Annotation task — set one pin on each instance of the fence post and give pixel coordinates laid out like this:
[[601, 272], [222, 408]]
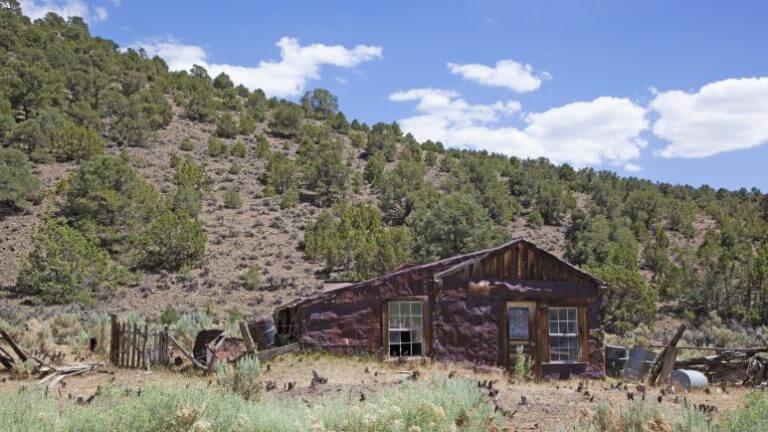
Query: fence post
[[114, 342]]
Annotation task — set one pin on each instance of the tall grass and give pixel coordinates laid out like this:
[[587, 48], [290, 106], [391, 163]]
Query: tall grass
[[644, 417], [752, 417], [426, 406]]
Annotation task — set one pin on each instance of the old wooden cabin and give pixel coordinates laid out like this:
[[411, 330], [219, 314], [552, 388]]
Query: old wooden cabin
[[479, 307]]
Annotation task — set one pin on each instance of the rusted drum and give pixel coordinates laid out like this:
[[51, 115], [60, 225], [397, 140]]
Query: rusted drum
[[263, 332]]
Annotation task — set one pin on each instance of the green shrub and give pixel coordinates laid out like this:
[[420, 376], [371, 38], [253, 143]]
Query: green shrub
[[19, 188], [169, 315], [751, 417], [356, 242], [247, 124], [108, 200], [280, 175], [226, 126], [262, 147], [629, 301], [239, 149], [186, 144], [456, 223], [553, 200], [216, 147], [240, 378], [289, 198], [358, 139], [200, 106], [187, 199], [374, 169], [222, 82], [191, 174], [232, 199], [438, 404], [286, 120], [535, 220], [64, 266], [171, 241], [251, 278], [73, 142]]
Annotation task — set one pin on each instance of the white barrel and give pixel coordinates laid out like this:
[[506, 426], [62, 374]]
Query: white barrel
[[688, 379]]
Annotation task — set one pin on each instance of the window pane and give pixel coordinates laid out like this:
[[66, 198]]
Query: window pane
[[393, 309], [416, 349], [416, 336], [416, 309], [405, 337], [518, 323], [394, 337], [405, 308]]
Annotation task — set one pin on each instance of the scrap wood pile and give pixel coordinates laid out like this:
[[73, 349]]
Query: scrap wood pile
[[23, 361], [744, 365]]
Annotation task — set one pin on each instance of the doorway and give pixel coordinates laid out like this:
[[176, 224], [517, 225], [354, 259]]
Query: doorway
[[520, 332]]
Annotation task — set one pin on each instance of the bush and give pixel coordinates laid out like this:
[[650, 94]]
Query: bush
[[187, 199], [200, 106], [19, 188], [262, 147], [169, 315], [455, 224], [226, 126], [374, 169], [234, 168], [216, 147], [251, 278], [186, 144], [358, 139], [384, 138], [106, 199], [240, 378], [247, 124], [289, 198], [170, 242], [286, 120], [232, 199], [357, 243], [749, 418], [131, 129], [630, 300], [535, 220], [320, 103], [552, 201], [438, 404], [73, 142], [280, 175], [64, 266], [239, 149], [193, 175]]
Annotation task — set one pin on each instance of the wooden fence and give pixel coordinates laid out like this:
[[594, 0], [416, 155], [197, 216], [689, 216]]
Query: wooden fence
[[136, 347]]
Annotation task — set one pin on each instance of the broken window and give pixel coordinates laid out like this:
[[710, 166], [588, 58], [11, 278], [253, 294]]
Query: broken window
[[563, 335], [406, 328]]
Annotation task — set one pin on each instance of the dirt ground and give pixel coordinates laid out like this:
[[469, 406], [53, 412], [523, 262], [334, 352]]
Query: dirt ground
[[532, 406]]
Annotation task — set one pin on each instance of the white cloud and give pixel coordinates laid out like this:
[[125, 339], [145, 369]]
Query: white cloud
[[35, 9], [633, 168], [286, 77], [507, 73], [722, 116], [604, 130]]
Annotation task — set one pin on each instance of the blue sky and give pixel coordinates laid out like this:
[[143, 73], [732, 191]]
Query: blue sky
[[671, 91]]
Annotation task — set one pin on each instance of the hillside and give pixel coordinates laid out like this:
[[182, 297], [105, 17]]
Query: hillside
[[310, 197]]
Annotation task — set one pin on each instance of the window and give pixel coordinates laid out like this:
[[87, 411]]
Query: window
[[563, 335], [518, 323], [406, 328]]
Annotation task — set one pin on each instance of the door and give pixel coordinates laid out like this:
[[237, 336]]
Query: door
[[521, 332]]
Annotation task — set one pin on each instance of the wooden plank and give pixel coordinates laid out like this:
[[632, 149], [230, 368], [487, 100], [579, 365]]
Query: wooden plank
[[144, 355], [19, 352], [275, 352], [247, 337], [186, 353], [542, 341], [655, 371], [114, 341], [668, 365], [583, 335]]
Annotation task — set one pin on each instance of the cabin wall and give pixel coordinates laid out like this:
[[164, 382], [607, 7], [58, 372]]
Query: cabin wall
[[465, 322]]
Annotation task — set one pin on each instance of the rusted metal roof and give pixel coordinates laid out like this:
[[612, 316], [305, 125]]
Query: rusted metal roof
[[441, 269]]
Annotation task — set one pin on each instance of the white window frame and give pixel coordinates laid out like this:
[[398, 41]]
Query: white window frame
[[400, 321], [564, 326]]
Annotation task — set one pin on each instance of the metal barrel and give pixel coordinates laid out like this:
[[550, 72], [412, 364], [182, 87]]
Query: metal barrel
[[688, 379], [263, 332]]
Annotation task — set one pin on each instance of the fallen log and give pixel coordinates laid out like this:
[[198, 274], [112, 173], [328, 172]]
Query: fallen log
[[666, 358]]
